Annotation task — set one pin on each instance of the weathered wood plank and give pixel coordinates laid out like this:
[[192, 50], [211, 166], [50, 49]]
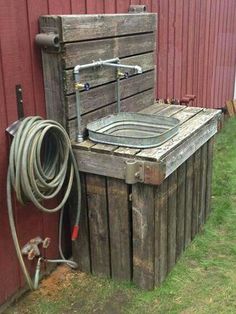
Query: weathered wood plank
[[115, 166], [154, 109], [210, 145], [186, 130], [187, 113], [172, 189], [103, 148], [81, 246], [189, 200], [85, 145], [86, 51], [196, 193], [180, 209], [84, 27], [161, 262], [134, 103], [119, 222], [203, 172], [189, 146], [98, 224], [104, 75], [171, 110], [126, 151], [53, 81], [106, 94], [143, 235]]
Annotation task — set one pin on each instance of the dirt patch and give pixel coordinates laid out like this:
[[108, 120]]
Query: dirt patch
[[112, 305], [57, 281]]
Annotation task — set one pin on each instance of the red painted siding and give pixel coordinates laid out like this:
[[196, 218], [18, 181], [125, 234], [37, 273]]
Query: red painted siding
[[196, 53]]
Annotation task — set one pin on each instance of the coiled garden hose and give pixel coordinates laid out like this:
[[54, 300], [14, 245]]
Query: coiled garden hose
[[41, 163]]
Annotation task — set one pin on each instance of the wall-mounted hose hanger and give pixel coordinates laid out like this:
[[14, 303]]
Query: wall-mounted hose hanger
[[41, 166], [48, 41]]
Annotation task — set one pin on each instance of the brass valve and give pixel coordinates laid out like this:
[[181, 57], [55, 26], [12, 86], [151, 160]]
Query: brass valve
[[122, 74]]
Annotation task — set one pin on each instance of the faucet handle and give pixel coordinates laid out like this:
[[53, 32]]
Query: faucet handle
[[87, 86], [123, 75], [80, 86], [126, 75]]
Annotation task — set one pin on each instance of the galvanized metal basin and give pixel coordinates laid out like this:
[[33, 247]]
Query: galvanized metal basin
[[133, 129]]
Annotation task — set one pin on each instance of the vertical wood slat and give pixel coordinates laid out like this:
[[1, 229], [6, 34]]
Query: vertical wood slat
[[161, 233], [210, 144], [81, 246], [119, 228], [203, 183], [172, 190], [180, 209], [196, 192], [143, 235], [188, 200], [98, 224]]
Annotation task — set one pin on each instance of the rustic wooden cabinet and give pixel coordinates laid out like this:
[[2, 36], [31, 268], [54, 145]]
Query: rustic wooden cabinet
[[133, 231]]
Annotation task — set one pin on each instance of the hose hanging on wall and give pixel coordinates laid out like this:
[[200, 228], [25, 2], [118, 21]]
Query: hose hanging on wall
[[41, 162]]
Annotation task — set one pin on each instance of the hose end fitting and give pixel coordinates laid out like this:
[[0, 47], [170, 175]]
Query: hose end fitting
[[75, 233]]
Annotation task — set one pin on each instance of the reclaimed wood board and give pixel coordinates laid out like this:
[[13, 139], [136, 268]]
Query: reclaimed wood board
[[98, 224], [143, 235], [180, 209], [81, 52], [171, 216], [119, 212], [210, 145], [73, 28], [188, 200], [161, 233]]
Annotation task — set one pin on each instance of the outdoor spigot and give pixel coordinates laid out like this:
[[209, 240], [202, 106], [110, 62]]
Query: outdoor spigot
[[85, 86], [123, 75]]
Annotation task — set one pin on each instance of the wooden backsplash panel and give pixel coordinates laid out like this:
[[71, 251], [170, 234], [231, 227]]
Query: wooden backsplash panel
[[84, 38]]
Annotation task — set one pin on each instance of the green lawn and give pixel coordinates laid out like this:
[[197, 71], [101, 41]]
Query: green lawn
[[203, 281]]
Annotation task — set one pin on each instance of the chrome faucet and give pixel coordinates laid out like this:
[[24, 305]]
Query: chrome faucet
[[115, 62]]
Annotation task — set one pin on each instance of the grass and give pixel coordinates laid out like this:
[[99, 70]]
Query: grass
[[203, 281]]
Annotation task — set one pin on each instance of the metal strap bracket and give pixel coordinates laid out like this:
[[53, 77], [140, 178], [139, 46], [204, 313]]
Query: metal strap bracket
[[138, 171]]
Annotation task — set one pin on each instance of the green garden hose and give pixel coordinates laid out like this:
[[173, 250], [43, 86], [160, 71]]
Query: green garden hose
[[41, 163]]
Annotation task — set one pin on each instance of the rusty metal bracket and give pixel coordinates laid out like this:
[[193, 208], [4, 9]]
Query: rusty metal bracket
[[137, 8], [144, 172], [12, 129]]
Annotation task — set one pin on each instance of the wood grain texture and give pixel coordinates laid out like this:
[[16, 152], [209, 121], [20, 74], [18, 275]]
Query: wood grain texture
[[189, 200], [100, 26], [210, 146], [180, 209], [161, 233], [98, 225], [85, 51], [143, 235], [171, 238], [196, 192], [203, 182], [119, 227]]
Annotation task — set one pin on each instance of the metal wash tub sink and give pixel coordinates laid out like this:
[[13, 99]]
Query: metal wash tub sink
[[133, 129], [123, 128]]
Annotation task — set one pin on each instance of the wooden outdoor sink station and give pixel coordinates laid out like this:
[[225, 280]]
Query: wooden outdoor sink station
[[141, 207]]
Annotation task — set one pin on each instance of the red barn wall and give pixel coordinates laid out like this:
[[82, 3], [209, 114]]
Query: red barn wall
[[196, 55]]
